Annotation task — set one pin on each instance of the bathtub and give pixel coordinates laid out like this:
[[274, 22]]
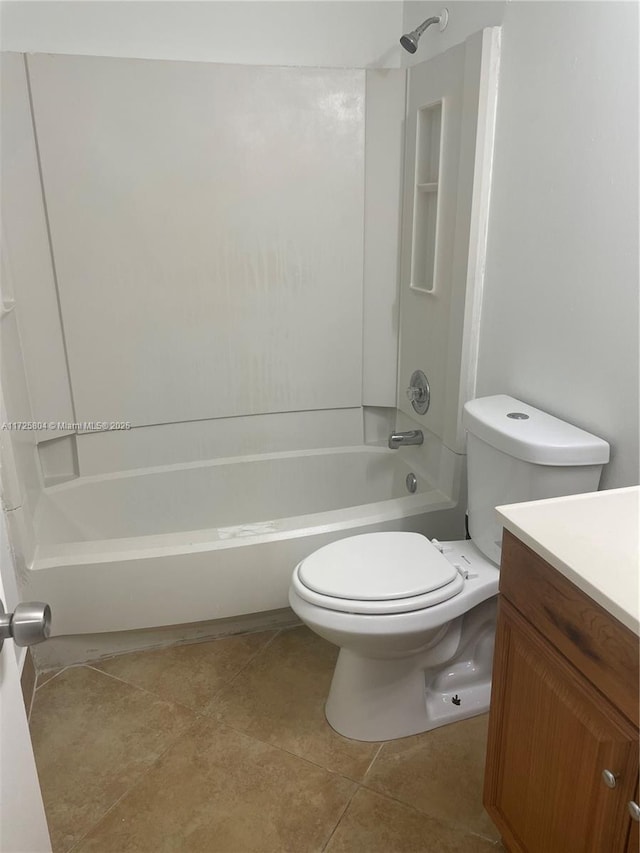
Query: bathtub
[[202, 541]]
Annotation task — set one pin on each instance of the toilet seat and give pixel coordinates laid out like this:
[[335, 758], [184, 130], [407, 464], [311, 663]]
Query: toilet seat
[[377, 573]]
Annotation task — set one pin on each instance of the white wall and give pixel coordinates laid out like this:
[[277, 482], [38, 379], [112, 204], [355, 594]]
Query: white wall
[[560, 312], [317, 33]]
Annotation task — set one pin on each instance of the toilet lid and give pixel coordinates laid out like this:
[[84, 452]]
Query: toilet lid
[[377, 567]]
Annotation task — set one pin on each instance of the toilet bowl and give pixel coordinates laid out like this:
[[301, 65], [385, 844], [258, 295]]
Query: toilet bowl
[[396, 630], [415, 619]]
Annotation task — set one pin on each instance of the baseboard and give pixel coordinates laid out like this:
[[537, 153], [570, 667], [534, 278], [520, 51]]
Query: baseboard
[[71, 650]]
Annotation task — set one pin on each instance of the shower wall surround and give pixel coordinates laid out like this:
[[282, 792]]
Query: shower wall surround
[[451, 113], [208, 226], [206, 221]]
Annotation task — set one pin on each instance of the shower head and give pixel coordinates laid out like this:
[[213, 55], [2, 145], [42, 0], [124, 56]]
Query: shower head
[[409, 41]]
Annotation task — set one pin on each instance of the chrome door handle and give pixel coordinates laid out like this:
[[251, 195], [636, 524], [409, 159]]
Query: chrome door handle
[[610, 779], [29, 624], [634, 810]]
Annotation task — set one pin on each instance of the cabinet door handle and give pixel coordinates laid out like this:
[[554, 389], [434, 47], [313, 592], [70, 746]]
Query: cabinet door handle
[[634, 810], [610, 779]]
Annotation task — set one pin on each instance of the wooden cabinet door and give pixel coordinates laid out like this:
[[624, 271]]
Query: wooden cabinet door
[[551, 735]]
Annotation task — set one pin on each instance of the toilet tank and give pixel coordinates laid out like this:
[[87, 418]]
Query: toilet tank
[[518, 453]]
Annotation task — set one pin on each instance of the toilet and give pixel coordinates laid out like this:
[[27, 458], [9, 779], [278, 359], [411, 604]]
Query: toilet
[[415, 619]]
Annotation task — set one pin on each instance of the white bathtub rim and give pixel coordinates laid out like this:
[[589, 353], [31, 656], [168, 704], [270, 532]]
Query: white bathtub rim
[[130, 473], [209, 539]]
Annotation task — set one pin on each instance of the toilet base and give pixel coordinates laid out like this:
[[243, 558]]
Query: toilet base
[[378, 700]]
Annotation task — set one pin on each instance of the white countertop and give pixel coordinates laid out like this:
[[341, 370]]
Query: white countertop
[[592, 539]]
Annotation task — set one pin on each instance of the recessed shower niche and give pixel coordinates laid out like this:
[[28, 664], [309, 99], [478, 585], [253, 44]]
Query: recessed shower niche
[[425, 210]]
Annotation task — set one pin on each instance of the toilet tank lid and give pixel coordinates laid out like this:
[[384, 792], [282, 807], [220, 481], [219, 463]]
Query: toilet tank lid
[[528, 434]]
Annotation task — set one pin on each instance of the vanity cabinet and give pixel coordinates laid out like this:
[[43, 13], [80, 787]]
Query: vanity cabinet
[[564, 709]]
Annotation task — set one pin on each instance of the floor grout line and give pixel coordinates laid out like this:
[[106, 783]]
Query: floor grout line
[[59, 672], [251, 660], [459, 827], [280, 748], [339, 821], [184, 734], [202, 715], [211, 716], [151, 693], [90, 665], [133, 785], [32, 700], [372, 762]]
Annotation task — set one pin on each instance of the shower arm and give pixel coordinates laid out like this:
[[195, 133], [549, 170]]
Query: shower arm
[[435, 19]]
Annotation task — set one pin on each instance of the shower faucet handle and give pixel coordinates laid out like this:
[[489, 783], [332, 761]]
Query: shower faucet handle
[[419, 392]]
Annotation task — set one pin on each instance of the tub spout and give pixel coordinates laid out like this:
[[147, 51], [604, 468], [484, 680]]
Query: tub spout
[[412, 436]]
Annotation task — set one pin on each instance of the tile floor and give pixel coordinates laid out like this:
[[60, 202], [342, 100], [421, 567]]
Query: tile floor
[[222, 747]]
